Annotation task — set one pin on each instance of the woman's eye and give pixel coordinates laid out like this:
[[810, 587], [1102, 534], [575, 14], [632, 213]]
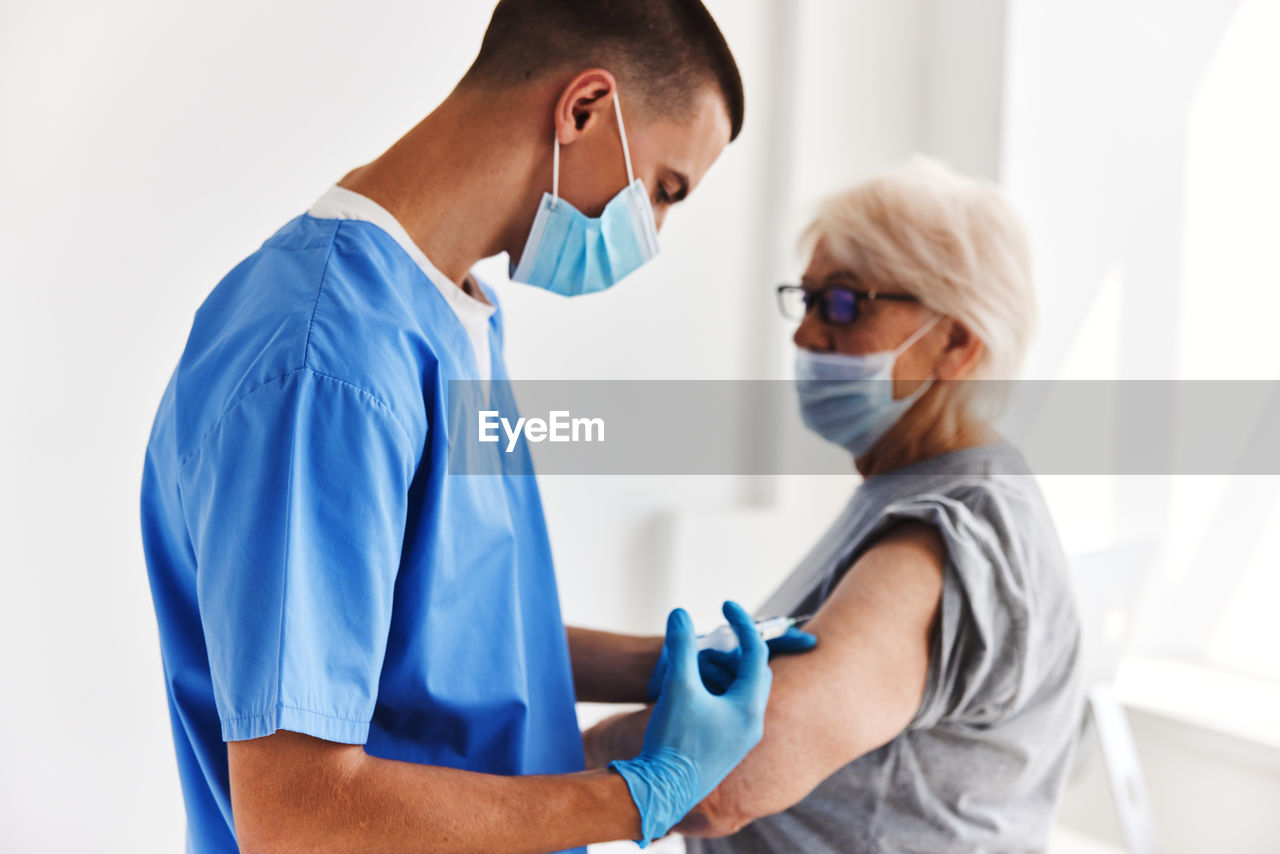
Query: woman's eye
[[663, 197]]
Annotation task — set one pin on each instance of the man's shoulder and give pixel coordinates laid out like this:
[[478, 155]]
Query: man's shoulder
[[375, 322], [252, 327], [322, 296]]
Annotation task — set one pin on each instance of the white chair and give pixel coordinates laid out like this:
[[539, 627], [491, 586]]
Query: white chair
[[1108, 584]]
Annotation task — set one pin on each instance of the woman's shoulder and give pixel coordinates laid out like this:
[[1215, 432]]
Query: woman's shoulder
[[985, 487], [1007, 620]]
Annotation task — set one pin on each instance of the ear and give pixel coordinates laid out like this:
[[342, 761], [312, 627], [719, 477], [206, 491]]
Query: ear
[[961, 354], [586, 100]]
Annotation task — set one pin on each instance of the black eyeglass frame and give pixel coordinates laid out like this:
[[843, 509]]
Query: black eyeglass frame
[[818, 296]]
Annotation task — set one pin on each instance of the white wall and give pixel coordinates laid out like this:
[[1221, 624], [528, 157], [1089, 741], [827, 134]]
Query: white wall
[[1105, 105], [1144, 162]]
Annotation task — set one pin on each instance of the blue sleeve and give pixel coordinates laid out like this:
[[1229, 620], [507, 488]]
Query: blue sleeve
[[295, 503]]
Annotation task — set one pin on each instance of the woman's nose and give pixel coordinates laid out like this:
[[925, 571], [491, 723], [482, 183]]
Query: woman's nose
[[812, 334]]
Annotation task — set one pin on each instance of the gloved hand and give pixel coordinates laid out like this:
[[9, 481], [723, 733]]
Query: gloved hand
[[718, 668], [695, 738]]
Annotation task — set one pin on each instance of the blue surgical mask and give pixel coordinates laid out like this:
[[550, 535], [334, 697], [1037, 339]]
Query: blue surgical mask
[[571, 254], [848, 399]]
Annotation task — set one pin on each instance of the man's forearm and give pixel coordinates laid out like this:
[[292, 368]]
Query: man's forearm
[[344, 800], [610, 668], [486, 813]]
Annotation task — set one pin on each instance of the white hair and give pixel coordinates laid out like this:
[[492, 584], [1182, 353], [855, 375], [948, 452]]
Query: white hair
[[954, 242]]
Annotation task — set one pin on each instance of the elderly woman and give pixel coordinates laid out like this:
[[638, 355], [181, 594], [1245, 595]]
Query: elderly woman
[[937, 712]]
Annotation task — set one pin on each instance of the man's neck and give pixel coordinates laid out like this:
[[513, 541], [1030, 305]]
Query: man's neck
[[456, 182]]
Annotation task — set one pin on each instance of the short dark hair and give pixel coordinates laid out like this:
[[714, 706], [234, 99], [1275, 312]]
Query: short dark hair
[[665, 48]]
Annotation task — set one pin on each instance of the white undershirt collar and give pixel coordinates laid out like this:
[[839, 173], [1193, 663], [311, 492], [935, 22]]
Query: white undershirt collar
[[341, 203]]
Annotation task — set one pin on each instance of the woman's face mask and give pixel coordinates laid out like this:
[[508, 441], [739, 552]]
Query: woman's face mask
[[572, 254], [848, 399]]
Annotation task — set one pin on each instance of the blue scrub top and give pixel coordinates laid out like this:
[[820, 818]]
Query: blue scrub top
[[313, 566]]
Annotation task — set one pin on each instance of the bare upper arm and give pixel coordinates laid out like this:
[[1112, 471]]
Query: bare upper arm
[[858, 689], [280, 781]]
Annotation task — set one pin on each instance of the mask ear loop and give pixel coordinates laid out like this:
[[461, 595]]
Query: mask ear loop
[[622, 132], [919, 333], [555, 168], [906, 345]]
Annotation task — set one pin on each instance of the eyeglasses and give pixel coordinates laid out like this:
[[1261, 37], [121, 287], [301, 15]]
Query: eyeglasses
[[837, 304]]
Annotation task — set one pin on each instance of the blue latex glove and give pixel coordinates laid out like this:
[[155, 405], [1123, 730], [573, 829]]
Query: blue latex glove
[[718, 668], [695, 738]]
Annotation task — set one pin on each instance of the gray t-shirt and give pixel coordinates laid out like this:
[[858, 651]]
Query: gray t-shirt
[[980, 767]]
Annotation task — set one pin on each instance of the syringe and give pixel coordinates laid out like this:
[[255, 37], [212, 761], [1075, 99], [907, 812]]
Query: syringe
[[724, 640]]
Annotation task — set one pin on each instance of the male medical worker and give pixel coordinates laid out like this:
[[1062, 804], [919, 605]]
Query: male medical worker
[[362, 651]]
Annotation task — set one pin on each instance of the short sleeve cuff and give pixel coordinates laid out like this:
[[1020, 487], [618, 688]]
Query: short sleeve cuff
[[305, 721]]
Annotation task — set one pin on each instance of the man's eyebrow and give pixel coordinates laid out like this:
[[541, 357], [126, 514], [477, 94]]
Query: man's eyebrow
[[683, 180]]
